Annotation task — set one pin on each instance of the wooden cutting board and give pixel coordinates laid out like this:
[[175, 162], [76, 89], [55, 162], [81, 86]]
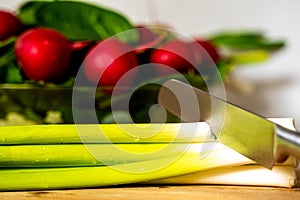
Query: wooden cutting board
[[161, 192]]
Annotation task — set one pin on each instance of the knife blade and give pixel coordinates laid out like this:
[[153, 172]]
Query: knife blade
[[247, 133]]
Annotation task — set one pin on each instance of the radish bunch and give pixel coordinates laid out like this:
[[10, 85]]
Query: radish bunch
[[45, 54], [50, 52], [109, 60]]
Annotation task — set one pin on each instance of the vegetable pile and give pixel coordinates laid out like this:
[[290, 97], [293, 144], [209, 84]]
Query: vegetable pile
[[45, 43]]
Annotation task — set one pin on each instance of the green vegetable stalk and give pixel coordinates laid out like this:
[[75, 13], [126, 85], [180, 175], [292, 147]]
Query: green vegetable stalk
[[96, 176], [103, 133], [75, 155]]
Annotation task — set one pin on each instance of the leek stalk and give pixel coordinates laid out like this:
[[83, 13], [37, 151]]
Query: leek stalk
[[18, 156], [255, 175], [105, 133], [79, 177]]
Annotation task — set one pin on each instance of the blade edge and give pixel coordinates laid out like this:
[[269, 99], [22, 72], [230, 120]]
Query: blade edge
[[241, 130]]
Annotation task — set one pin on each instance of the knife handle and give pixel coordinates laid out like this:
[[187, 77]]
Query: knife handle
[[288, 143]]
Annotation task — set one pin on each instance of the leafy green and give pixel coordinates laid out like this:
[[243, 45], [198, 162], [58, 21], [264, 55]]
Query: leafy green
[[249, 35], [249, 57], [77, 20], [225, 67], [246, 41], [13, 74], [28, 10], [5, 58], [9, 70], [6, 43]]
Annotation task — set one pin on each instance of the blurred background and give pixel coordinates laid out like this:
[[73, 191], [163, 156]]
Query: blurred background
[[271, 88]]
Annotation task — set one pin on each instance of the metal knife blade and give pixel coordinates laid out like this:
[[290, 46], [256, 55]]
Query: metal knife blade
[[247, 133]]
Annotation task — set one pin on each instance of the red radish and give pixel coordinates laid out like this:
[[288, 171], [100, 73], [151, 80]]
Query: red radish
[[10, 25], [108, 61], [43, 54], [175, 54], [209, 48]]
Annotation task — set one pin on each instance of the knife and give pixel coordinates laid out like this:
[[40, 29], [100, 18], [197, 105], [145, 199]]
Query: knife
[[251, 135]]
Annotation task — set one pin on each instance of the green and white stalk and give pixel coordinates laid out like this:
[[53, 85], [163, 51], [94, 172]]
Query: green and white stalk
[[80, 177], [71, 155], [105, 133], [255, 175]]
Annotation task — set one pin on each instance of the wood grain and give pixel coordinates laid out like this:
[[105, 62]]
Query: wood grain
[[161, 192]]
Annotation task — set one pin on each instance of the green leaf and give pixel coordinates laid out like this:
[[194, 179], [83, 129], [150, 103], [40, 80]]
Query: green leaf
[[78, 20], [249, 57], [28, 10], [238, 34], [7, 43], [32, 115], [225, 67], [7, 51], [9, 70], [13, 74], [246, 41], [5, 59]]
